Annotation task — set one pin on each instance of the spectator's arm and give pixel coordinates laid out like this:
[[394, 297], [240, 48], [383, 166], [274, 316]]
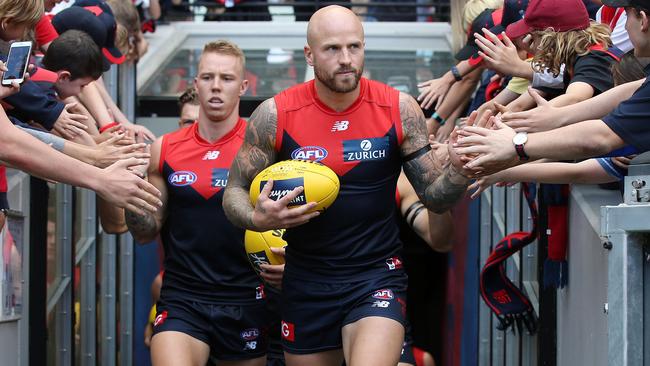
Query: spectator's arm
[[585, 172], [575, 93], [116, 183], [32, 103], [92, 100], [592, 108], [154, 9]]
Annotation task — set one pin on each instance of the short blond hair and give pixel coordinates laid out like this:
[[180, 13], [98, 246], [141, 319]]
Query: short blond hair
[[27, 12], [225, 47]]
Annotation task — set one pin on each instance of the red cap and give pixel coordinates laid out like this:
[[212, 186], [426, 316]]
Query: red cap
[[561, 15]]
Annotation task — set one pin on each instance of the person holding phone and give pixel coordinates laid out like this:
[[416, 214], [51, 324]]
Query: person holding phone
[[17, 62]]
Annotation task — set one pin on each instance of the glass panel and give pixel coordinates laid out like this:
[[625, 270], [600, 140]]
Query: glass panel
[[99, 270], [53, 251], [273, 70], [51, 337], [77, 240], [11, 256]]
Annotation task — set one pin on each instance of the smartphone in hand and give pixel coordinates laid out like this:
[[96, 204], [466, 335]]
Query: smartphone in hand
[[17, 62]]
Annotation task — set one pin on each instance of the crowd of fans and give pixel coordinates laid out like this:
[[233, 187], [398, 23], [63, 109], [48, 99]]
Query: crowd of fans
[[538, 74]]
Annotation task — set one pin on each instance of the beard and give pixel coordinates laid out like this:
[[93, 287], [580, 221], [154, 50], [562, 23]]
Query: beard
[[330, 81]]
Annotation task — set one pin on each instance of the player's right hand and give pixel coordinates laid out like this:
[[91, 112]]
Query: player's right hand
[[269, 214]]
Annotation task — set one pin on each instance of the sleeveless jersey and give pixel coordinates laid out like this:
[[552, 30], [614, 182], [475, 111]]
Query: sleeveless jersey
[[357, 235], [204, 253]]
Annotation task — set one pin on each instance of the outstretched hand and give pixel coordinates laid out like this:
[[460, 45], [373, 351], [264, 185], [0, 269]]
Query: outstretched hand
[[499, 55], [491, 150], [121, 187], [433, 91], [542, 118]]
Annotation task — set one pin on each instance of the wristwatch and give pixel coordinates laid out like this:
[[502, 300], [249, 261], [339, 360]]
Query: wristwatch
[[519, 140]]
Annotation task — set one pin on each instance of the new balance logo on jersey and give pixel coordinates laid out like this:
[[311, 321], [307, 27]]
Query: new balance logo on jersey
[[219, 177], [340, 126], [371, 149], [211, 155]]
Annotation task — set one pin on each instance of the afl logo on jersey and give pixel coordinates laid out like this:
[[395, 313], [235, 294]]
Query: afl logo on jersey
[[312, 153], [182, 178]]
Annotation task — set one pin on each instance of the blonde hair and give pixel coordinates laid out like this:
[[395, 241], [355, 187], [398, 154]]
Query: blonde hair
[[557, 48], [462, 14], [224, 47], [125, 14], [127, 27], [27, 12]]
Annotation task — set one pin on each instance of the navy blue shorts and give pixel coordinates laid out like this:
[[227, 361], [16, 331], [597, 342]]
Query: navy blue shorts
[[233, 332], [313, 313]]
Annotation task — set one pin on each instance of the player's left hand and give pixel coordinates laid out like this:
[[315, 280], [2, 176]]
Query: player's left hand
[[273, 273]]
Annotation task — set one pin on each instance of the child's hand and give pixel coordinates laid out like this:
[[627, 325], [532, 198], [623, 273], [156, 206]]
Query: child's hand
[[69, 124]]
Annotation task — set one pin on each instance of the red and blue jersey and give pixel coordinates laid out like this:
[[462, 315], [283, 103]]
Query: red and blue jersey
[[357, 234], [204, 253]]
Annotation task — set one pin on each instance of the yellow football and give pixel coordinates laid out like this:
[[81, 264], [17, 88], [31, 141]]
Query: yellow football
[[152, 314], [321, 184], [258, 247]]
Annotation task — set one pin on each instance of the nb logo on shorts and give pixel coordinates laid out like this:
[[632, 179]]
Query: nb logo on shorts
[[340, 126], [381, 304], [288, 332], [250, 345]]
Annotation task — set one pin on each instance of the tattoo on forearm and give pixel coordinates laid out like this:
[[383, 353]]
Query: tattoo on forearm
[[413, 124], [438, 185], [256, 153], [141, 226]]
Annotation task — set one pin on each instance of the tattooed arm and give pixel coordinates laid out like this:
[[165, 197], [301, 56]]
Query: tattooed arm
[[144, 228], [256, 153], [439, 186]]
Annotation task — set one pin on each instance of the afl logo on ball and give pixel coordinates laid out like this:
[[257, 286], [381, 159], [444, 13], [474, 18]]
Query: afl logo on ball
[[311, 153], [182, 178]]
